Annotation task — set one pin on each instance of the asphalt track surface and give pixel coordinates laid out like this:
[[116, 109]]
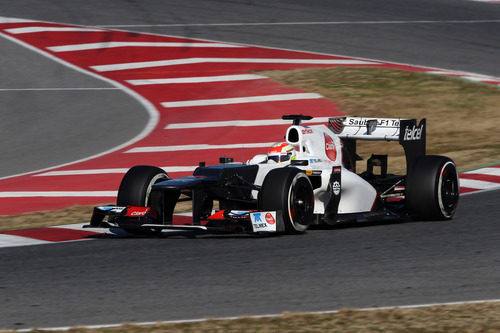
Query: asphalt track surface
[[117, 280], [457, 35], [53, 115], [148, 279]]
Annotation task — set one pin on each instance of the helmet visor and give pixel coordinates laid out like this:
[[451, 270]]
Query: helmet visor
[[280, 158]]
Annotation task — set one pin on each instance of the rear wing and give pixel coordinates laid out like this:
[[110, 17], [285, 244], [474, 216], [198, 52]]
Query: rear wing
[[360, 128], [406, 131]]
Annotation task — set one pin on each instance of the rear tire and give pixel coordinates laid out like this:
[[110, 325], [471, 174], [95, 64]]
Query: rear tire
[[136, 185], [432, 188], [291, 191]]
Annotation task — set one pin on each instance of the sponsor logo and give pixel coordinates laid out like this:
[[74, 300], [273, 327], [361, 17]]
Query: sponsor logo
[[270, 219], [307, 131], [414, 133], [336, 187], [219, 215], [330, 149], [112, 209], [105, 207], [137, 211], [257, 222], [238, 214], [337, 125], [263, 221], [380, 122]]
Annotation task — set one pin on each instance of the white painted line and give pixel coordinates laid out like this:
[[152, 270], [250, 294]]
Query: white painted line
[[111, 44], [241, 100], [489, 1], [369, 60], [102, 231], [14, 20], [79, 227], [275, 315], [486, 171], [188, 61], [478, 184], [241, 123], [154, 115], [15, 241], [197, 79], [148, 106], [465, 75], [238, 24], [109, 231], [197, 147], [442, 72], [109, 171], [472, 78], [82, 172], [28, 30], [57, 194]]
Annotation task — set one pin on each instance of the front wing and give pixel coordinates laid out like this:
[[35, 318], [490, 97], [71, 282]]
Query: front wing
[[138, 219]]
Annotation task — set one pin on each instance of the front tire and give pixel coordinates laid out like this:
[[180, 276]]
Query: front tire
[[432, 188], [136, 185], [291, 191]]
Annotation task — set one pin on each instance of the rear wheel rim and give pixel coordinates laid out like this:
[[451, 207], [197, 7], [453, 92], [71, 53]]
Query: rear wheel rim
[[448, 190]]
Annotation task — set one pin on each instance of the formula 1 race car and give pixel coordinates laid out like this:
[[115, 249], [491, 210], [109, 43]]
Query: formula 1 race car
[[308, 180]]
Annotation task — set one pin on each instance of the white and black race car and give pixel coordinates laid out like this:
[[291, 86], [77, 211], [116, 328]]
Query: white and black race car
[[317, 185]]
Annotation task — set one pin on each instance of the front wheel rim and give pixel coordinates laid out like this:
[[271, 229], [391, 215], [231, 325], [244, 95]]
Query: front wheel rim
[[159, 177], [299, 203]]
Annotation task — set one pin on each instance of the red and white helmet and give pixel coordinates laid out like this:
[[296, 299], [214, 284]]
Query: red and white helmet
[[282, 153]]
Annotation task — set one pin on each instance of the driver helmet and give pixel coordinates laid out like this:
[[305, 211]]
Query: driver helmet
[[282, 153]]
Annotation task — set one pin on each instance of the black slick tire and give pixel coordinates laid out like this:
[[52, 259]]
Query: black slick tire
[[290, 191], [432, 188], [135, 187]]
